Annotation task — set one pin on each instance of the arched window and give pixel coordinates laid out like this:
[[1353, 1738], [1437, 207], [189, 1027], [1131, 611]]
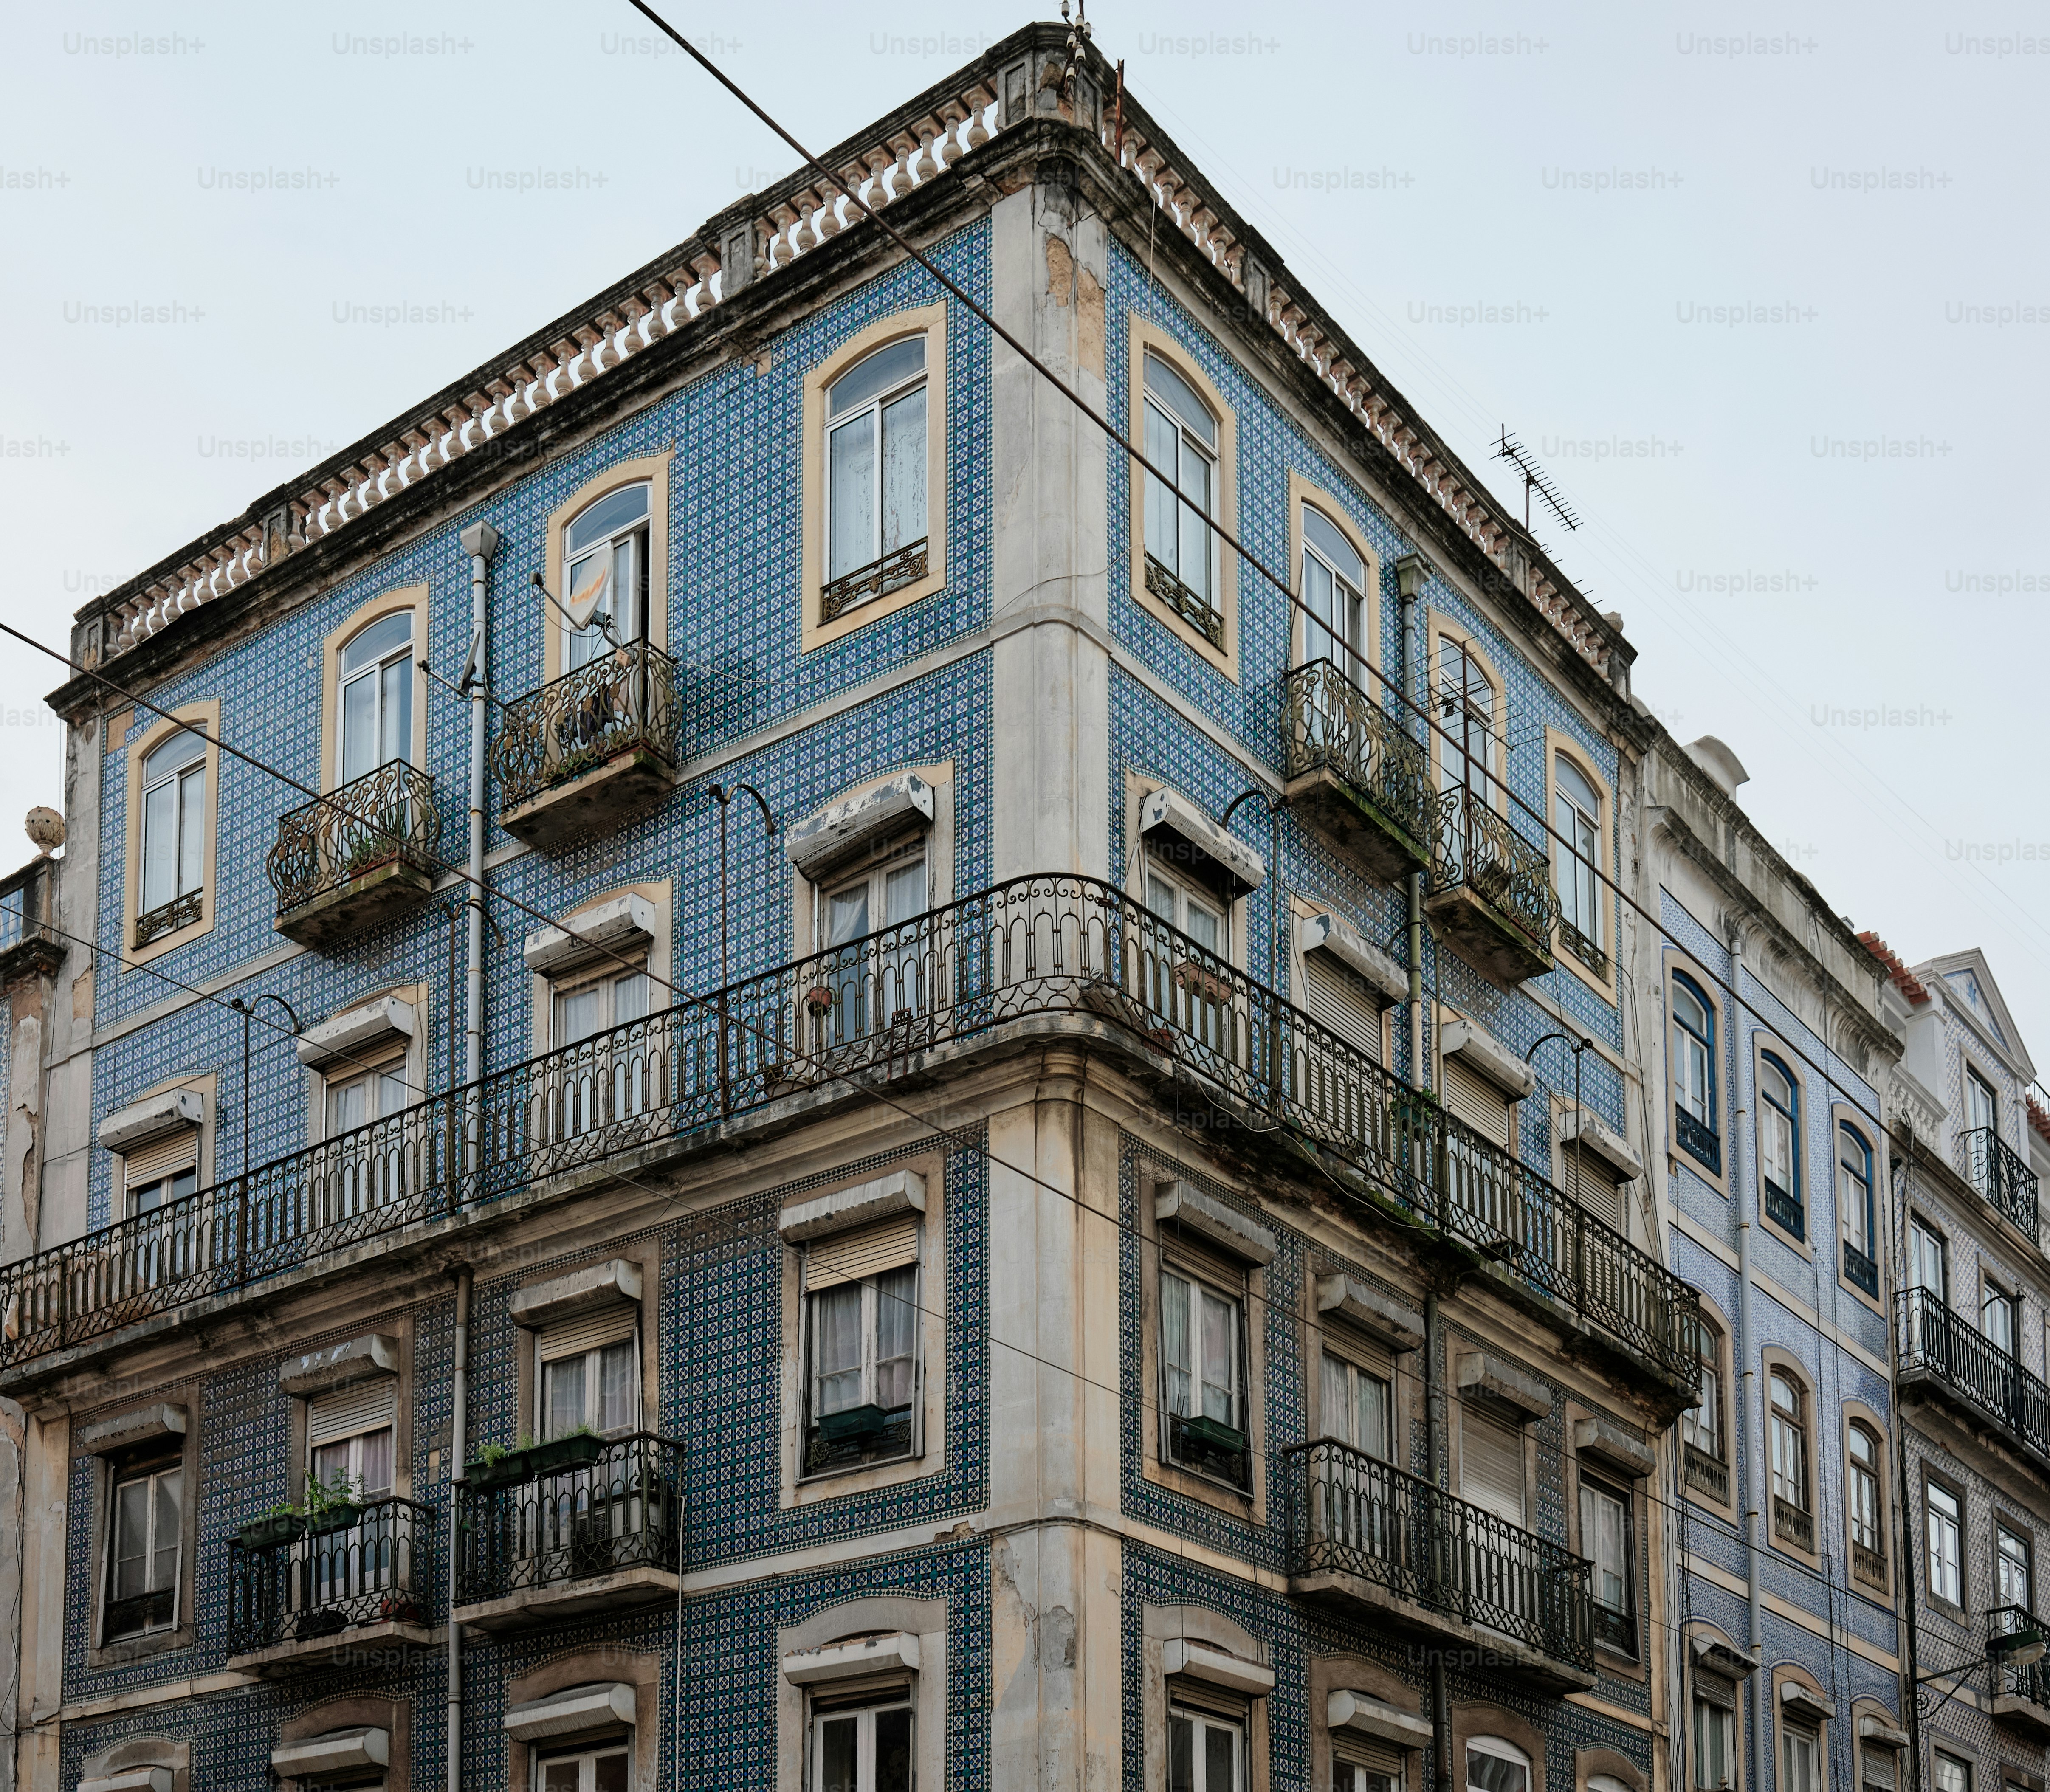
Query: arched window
[[1181, 441], [1334, 591], [173, 835], [1495, 1765], [1466, 713], [876, 473], [1694, 1120], [377, 696], [1867, 1523], [1791, 1519], [1779, 1145], [1578, 815], [1855, 1212], [1701, 1425], [605, 565]]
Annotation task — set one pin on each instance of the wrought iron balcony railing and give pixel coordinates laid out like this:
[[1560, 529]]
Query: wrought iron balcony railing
[[386, 817], [1707, 1474], [1793, 1524], [623, 701], [1868, 1564], [622, 1510], [1477, 848], [379, 1569], [1698, 1139], [2002, 1176], [1931, 1340], [2006, 1625], [168, 918], [1860, 1270], [1037, 946], [1204, 617], [1785, 1211], [1328, 722], [1348, 1514]]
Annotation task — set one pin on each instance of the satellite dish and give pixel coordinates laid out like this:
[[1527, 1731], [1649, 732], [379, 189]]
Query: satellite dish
[[584, 604]]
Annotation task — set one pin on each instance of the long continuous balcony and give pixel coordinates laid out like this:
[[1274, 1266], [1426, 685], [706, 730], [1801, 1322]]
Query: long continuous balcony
[[2002, 1176], [1042, 949], [1490, 889], [581, 1524], [1945, 1350], [301, 1595], [1349, 763], [1363, 1534], [362, 855], [581, 754]]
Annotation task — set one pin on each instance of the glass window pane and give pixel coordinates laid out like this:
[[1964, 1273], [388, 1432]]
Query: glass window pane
[[629, 998], [838, 1753], [881, 370], [373, 1473], [611, 514], [1374, 1417], [192, 830], [330, 1463], [836, 1346], [618, 1408], [904, 471], [1164, 449], [561, 1776], [896, 1321], [893, 1750], [131, 1538], [1181, 1755], [396, 725], [612, 1773], [1175, 1341], [160, 847], [1220, 1343], [347, 1105], [1204, 926], [563, 1398], [579, 1013], [851, 474], [383, 636], [1198, 552], [848, 916], [180, 749], [1220, 1759], [1175, 392], [359, 727], [1336, 1418], [1329, 540], [1494, 1773], [904, 893]]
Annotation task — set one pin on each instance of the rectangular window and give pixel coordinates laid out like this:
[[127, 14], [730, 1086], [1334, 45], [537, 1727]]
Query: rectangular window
[[1204, 1753], [861, 1748], [861, 1326], [584, 1009], [1492, 1464], [1355, 1407], [1945, 1538], [1181, 441], [173, 835], [1800, 1753], [872, 934], [1201, 1354], [2000, 1317], [1605, 1542], [1359, 1765], [1928, 1260], [606, 1768], [1714, 1734], [143, 1548], [875, 458], [1951, 1773], [164, 1170], [590, 1373], [2012, 1568], [1701, 1424]]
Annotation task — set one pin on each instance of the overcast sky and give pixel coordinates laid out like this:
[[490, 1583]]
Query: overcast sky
[[1763, 289]]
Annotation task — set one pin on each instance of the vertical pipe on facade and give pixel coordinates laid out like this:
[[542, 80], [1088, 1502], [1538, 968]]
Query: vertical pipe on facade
[[1748, 1406], [480, 541], [1906, 1574], [1434, 1433], [458, 1446], [1408, 584]]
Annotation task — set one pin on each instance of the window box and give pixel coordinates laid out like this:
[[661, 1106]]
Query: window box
[[856, 1424], [273, 1529], [1214, 1434], [579, 1449], [341, 1517]]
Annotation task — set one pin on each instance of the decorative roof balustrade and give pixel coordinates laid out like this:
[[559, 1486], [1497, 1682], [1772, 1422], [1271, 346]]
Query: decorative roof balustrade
[[1045, 946]]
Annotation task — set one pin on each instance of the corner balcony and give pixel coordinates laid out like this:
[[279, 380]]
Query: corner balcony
[[1004, 970], [2003, 1176], [354, 1593], [590, 750], [2020, 1693], [1491, 892], [1350, 766], [362, 855], [558, 1530], [1390, 1550], [1943, 1354]]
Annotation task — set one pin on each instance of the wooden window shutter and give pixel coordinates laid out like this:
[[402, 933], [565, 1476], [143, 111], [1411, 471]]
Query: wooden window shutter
[[1477, 1101], [612, 1323], [853, 1256], [1491, 1465], [367, 1405], [161, 1157]]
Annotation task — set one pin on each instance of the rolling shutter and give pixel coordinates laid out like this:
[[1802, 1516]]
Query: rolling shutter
[[1600, 1192], [1715, 1690], [1491, 1465], [1382, 1760], [1477, 1101], [1876, 1768], [851, 1256], [367, 1405], [1335, 995], [612, 1323], [161, 1157]]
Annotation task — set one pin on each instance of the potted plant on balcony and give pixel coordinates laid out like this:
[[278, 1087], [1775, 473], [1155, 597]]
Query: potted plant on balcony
[[398, 1608], [332, 1507], [854, 1424], [283, 1523], [496, 1467]]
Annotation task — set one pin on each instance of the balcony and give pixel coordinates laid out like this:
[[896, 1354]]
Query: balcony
[[1707, 1475], [1491, 893], [1793, 1525], [1698, 1139], [1860, 1270], [363, 854], [2021, 1693], [582, 754], [1940, 1351], [582, 1525], [1389, 1548], [357, 1595], [2002, 1176], [1351, 766], [1189, 604], [1035, 956]]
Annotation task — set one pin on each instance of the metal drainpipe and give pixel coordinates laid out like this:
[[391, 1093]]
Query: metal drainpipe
[[1904, 1529], [480, 541], [1750, 1441], [1434, 1434], [459, 1448], [1409, 582]]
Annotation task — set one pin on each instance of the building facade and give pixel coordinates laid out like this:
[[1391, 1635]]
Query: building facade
[[776, 1075], [1969, 1337]]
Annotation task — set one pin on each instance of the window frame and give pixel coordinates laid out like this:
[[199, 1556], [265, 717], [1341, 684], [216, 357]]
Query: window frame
[[809, 1417], [1791, 1223], [1162, 417], [870, 411], [1356, 1372], [375, 673], [1448, 636], [594, 1384], [1201, 1720], [1144, 337], [1708, 1046], [148, 1465], [1622, 1628], [1954, 1524], [815, 630], [1848, 1181], [1716, 1357], [1792, 1734], [1860, 1425], [653, 471], [206, 716], [635, 533], [1729, 1717], [1199, 1276], [1562, 752], [585, 1754], [2005, 1533], [1302, 495], [1499, 1748], [176, 778], [1800, 1429]]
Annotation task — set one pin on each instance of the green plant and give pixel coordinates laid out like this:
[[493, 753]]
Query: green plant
[[324, 1497], [492, 1454]]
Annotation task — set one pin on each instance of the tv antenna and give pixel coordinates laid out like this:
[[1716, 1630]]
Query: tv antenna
[[1535, 479]]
